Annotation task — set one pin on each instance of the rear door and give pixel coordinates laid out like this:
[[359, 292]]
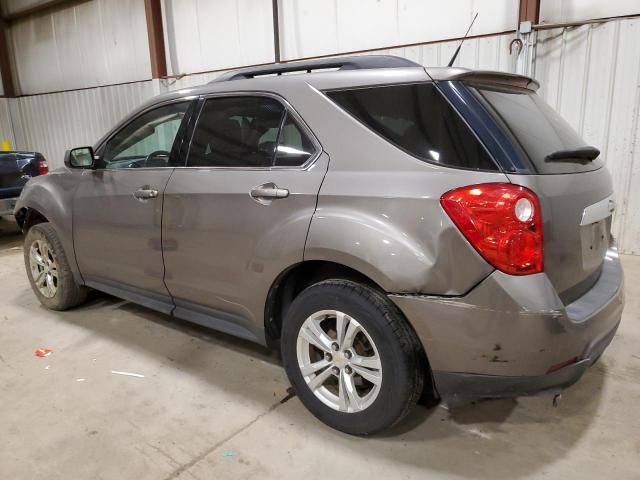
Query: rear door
[[238, 214], [576, 193], [117, 211]]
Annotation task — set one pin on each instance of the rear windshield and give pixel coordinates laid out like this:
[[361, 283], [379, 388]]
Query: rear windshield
[[417, 119], [539, 130]]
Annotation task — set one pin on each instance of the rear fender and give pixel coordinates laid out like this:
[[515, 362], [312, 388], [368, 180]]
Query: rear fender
[[434, 258]]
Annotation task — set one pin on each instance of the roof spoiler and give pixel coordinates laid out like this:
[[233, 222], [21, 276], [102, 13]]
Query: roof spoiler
[[492, 79], [361, 62]]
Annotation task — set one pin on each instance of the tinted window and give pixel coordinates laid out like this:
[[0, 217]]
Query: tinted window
[[539, 130], [294, 147], [236, 132], [419, 120], [147, 140]]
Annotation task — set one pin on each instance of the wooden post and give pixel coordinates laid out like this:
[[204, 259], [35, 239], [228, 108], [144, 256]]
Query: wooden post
[[153, 13], [5, 62], [529, 11]]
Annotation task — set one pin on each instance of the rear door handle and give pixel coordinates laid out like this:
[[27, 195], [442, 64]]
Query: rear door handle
[[267, 192], [145, 193]]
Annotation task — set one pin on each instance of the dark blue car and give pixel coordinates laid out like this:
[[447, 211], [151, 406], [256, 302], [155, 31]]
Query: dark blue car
[[16, 168]]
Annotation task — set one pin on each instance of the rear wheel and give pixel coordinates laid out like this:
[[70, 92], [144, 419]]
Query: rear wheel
[[48, 269], [351, 357]]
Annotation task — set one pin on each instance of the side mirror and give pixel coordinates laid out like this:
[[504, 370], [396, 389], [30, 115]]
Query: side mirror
[[81, 157]]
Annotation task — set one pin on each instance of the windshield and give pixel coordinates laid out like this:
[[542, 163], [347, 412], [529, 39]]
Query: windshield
[[539, 130]]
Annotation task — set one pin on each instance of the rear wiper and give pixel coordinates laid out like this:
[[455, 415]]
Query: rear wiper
[[582, 153]]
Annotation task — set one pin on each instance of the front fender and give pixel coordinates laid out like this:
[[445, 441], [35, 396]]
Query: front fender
[[51, 195]]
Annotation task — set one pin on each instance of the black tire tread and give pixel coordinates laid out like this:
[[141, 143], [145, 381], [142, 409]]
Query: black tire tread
[[69, 293], [401, 331]]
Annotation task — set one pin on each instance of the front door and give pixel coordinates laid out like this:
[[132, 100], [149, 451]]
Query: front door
[[238, 214], [118, 208]]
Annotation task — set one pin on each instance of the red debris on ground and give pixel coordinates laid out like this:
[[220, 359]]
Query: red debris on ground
[[43, 352]]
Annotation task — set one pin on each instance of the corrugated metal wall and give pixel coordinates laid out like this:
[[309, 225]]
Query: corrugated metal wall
[[203, 35], [93, 43], [591, 75], [564, 11], [484, 52], [53, 123], [324, 27], [6, 126]]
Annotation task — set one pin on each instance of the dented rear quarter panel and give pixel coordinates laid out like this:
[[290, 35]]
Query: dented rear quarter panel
[[379, 210]]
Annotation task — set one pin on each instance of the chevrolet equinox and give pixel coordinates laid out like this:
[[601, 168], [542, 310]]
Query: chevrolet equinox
[[399, 233]]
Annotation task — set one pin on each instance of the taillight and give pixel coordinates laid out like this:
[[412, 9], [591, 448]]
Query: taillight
[[43, 166], [503, 223]]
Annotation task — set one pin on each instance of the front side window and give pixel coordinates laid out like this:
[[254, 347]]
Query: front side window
[[147, 140], [419, 120]]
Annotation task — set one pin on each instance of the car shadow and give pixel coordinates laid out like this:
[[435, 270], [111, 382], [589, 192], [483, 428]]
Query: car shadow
[[497, 439]]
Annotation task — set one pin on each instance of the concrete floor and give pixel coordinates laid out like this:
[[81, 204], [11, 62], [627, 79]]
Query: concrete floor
[[211, 406]]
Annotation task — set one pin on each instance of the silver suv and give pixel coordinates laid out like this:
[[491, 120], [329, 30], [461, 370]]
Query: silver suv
[[399, 233]]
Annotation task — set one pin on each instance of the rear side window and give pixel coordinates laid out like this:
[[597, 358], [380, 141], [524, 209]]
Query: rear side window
[[294, 146], [417, 119], [236, 132], [539, 130], [248, 132]]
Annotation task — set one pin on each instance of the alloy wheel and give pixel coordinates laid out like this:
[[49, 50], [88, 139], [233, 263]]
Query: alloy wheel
[[44, 268], [339, 361]]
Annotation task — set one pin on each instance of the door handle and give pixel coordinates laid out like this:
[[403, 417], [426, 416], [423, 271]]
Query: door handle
[[268, 192], [144, 193]]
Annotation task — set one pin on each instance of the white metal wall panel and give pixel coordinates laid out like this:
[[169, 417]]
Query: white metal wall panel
[[100, 42], [53, 123], [6, 127], [206, 35], [561, 11], [491, 53], [591, 75], [325, 27]]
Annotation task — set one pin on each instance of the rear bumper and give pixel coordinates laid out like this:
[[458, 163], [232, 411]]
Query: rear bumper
[[501, 339], [7, 205]]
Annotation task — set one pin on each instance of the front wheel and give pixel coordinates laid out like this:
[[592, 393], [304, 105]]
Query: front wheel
[[351, 357], [48, 269]]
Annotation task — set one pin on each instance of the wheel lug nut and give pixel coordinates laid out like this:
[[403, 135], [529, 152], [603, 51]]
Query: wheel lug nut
[[335, 346], [348, 370], [335, 370], [348, 354], [328, 357]]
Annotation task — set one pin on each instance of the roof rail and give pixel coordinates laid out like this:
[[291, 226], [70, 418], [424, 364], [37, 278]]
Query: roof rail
[[359, 62]]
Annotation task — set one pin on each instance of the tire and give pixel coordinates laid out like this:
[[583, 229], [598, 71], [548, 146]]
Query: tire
[[65, 293], [387, 341]]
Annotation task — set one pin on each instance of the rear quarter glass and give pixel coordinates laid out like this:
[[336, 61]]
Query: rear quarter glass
[[537, 128], [417, 119]]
